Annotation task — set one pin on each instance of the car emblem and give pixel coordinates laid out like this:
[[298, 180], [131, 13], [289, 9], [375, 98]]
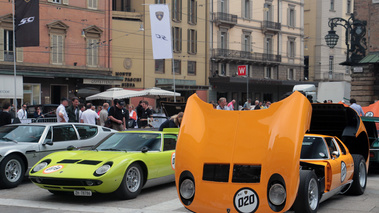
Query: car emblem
[[159, 15]]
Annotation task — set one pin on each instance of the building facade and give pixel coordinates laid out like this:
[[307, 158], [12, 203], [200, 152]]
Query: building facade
[[73, 58], [321, 62], [265, 35], [132, 55]]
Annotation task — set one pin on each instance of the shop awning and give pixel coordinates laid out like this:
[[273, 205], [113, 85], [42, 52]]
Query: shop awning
[[371, 58]]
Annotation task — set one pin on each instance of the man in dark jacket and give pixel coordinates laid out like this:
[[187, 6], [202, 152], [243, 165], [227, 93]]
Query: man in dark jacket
[[73, 110], [5, 116]]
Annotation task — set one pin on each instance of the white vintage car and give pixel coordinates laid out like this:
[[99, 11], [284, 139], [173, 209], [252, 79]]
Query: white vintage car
[[23, 145]]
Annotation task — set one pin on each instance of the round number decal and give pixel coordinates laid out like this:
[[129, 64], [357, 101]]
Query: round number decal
[[52, 169], [246, 200]]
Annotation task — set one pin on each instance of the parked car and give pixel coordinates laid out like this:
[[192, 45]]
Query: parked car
[[372, 126], [122, 163], [23, 145], [250, 161]]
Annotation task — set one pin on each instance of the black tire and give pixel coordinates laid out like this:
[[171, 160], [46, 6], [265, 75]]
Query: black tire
[[358, 186], [12, 171], [132, 183], [308, 196]]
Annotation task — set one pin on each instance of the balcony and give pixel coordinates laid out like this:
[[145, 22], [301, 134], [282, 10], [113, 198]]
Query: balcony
[[333, 76], [224, 19], [249, 57], [272, 27]]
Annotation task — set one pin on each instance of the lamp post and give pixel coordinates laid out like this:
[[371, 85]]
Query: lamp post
[[355, 32]]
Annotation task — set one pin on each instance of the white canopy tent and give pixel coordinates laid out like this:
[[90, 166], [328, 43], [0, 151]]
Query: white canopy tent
[[157, 92], [114, 93]]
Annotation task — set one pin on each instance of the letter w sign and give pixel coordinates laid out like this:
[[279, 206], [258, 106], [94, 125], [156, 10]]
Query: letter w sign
[[242, 70]]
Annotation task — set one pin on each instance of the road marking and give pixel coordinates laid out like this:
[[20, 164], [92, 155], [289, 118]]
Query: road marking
[[169, 206]]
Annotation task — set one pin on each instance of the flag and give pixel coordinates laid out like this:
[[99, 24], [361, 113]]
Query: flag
[[27, 23], [160, 31]]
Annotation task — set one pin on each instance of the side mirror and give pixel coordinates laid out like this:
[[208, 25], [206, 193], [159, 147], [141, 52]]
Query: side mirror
[[48, 142], [144, 149], [335, 154], [71, 147]]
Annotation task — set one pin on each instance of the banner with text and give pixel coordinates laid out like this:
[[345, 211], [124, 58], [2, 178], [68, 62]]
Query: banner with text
[[27, 23], [160, 31]]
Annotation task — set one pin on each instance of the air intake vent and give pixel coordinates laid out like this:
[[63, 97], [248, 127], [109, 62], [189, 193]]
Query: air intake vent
[[216, 172], [90, 162], [246, 174], [68, 161]]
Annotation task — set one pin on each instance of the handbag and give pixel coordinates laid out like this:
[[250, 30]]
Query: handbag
[[108, 123]]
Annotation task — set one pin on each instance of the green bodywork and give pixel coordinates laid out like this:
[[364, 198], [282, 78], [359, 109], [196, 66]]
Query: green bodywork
[[80, 166]]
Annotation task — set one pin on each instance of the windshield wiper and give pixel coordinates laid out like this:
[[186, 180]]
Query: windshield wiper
[[8, 139], [111, 149]]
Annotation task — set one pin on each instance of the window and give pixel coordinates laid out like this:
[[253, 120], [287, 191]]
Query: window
[[160, 1], [8, 45], [331, 5], [191, 69], [169, 142], [291, 47], [177, 35], [64, 133], [159, 66], [57, 52], [223, 69], [57, 1], [85, 131], [120, 5], [246, 8], [291, 74], [222, 6], [268, 72], [32, 94], [223, 40], [192, 11], [268, 45], [92, 52], [92, 4], [291, 17], [267, 12], [192, 41], [331, 66], [246, 43], [177, 10], [177, 67], [348, 9]]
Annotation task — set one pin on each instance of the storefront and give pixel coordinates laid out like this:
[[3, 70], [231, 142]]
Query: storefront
[[7, 88]]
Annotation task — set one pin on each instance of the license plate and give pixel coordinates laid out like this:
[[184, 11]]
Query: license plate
[[86, 193]]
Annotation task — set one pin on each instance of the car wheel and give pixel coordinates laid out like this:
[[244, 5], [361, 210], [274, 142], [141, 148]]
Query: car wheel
[[132, 182], [360, 176], [308, 196], [12, 171]]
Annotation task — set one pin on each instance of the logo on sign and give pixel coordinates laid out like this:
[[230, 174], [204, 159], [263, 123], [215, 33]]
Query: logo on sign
[[159, 15], [242, 70], [246, 200]]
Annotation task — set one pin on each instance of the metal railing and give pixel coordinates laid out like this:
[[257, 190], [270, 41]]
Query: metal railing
[[38, 120], [271, 25], [235, 54], [225, 17]]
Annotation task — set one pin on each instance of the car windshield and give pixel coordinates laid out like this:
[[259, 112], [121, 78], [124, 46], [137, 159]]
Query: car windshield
[[375, 144], [131, 142], [313, 148], [21, 133]]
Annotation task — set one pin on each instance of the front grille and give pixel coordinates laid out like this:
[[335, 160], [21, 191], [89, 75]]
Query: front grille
[[63, 182], [89, 162], [216, 172], [68, 161], [246, 174]]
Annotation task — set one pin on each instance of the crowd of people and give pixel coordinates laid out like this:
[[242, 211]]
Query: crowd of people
[[224, 105]]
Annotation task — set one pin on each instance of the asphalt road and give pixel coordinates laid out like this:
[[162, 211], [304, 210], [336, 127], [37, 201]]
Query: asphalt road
[[28, 198]]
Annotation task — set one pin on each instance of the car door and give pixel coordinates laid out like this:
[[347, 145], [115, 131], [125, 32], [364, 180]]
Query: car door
[[339, 163], [169, 145], [58, 138], [88, 135]]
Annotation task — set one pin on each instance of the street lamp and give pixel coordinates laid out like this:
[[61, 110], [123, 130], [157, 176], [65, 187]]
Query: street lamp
[[355, 32]]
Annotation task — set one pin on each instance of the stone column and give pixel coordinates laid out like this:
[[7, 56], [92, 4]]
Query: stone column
[[363, 88]]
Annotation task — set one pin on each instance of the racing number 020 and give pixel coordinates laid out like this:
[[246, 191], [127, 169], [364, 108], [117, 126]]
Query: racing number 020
[[246, 200]]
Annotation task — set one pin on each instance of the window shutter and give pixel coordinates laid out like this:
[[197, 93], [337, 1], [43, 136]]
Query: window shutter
[[19, 54], [173, 11], [189, 40], [189, 15], [60, 49], [180, 10], [65, 2], [195, 14], [95, 53], [243, 8], [95, 4], [195, 42], [53, 49], [288, 17], [180, 39], [88, 51], [294, 18], [1, 44], [288, 48], [294, 74], [89, 4]]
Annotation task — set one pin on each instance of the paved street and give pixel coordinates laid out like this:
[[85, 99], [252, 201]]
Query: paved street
[[28, 198]]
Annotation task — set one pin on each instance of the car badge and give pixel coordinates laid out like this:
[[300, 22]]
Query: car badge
[[159, 15]]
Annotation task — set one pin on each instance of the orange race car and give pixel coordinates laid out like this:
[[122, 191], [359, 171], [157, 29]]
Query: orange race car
[[262, 161]]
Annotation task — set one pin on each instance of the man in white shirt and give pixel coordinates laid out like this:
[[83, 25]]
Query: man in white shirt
[[222, 104], [89, 116], [22, 114], [61, 111]]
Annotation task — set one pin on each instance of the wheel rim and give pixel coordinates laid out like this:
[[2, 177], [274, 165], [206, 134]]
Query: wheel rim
[[313, 194], [13, 170], [362, 174], [133, 179]]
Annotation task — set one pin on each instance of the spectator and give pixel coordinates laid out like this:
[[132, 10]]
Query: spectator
[[22, 114], [38, 113], [231, 104], [173, 122], [104, 114], [89, 116], [5, 116], [99, 108], [356, 107], [222, 105], [82, 108], [139, 110], [117, 115], [146, 114], [132, 116], [73, 110], [247, 105], [61, 111]]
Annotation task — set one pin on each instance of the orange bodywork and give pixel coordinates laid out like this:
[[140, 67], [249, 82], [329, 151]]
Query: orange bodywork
[[270, 138]]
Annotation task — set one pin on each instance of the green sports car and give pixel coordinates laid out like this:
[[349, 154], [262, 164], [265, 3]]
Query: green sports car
[[122, 163]]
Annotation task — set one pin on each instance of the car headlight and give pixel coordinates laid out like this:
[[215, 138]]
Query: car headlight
[[187, 189], [41, 166], [277, 194], [102, 170]]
